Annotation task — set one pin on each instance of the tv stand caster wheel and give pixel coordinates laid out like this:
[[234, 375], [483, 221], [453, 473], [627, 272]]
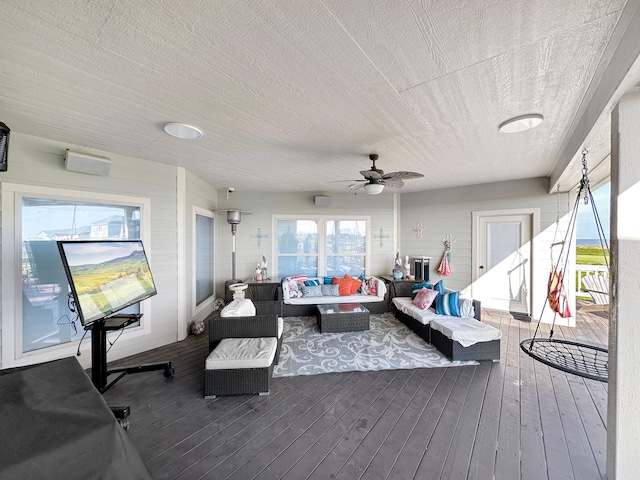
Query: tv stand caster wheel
[[168, 372], [124, 423]]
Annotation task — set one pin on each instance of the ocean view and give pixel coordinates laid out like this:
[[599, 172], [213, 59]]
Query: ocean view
[[589, 241]]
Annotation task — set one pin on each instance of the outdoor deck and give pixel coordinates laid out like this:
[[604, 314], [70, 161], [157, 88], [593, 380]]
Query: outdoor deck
[[507, 420]]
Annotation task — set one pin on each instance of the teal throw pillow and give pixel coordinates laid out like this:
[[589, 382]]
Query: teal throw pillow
[[419, 286], [448, 304]]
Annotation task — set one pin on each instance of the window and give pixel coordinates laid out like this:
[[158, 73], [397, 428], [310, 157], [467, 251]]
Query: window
[[203, 256], [346, 247], [321, 246], [297, 247], [46, 317], [37, 321]]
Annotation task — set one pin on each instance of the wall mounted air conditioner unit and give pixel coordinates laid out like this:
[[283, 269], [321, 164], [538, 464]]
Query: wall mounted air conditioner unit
[[85, 163]]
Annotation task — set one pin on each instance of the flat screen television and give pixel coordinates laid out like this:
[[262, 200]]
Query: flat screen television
[[106, 276]]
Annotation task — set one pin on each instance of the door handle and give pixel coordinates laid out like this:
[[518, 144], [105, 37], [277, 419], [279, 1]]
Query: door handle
[[481, 267]]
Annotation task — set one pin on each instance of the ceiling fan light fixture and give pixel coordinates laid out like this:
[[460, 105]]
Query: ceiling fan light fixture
[[182, 130], [373, 188], [521, 123]]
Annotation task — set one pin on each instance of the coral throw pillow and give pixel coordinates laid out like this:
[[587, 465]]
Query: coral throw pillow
[[424, 298], [345, 288]]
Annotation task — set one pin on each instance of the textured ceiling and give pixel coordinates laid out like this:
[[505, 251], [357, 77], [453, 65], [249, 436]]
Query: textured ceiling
[[292, 96]]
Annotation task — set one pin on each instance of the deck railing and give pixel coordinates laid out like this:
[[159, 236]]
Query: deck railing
[[582, 270]]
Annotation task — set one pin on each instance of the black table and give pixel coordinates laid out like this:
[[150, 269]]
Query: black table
[[343, 317], [54, 424]]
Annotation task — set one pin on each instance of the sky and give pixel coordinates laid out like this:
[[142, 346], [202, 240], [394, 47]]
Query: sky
[[585, 221]]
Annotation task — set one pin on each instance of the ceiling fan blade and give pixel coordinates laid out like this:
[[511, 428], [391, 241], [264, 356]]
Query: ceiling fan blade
[[342, 181], [357, 186], [402, 175], [370, 174], [392, 182]]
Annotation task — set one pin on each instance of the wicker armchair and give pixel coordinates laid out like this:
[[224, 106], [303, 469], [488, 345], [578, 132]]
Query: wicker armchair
[[240, 381], [243, 327]]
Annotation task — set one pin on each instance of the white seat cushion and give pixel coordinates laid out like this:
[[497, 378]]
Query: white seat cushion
[[465, 331], [406, 306], [234, 353], [280, 326]]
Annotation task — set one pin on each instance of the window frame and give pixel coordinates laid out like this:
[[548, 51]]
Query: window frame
[[11, 334], [321, 221], [206, 304]]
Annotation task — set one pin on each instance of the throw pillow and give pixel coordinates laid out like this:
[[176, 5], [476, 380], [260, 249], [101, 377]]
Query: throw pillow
[[466, 308], [439, 287], [294, 287], [355, 285], [418, 286], [447, 304], [425, 298], [345, 287], [330, 290], [328, 280], [372, 286], [312, 291], [310, 283], [336, 280]]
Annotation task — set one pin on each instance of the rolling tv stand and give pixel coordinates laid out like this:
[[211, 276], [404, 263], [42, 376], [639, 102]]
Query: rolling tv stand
[[99, 372]]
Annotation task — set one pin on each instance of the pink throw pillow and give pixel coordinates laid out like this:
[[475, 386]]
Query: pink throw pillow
[[425, 298]]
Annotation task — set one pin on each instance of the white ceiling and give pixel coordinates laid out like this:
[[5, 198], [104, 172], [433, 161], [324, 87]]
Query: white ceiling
[[292, 95]]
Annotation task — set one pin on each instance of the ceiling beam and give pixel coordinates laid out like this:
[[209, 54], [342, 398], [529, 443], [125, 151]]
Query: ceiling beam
[[617, 74]]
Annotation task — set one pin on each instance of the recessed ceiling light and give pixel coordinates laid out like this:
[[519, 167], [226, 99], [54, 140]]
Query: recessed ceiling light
[[521, 123], [182, 130]]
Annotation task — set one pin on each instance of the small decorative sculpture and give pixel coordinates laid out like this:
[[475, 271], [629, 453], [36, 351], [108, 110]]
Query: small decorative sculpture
[[263, 267], [397, 267], [258, 273]]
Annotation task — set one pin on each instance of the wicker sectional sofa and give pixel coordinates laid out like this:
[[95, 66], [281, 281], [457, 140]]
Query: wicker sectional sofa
[[440, 331], [306, 306]]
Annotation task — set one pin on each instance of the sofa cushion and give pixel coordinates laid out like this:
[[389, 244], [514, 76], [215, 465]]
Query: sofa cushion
[[419, 286], [405, 305], [232, 353], [330, 290], [355, 284], [294, 285], [447, 304], [425, 298], [465, 331], [312, 291]]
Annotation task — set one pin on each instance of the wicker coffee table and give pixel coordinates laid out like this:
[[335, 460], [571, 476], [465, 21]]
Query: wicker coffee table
[[343, 317]]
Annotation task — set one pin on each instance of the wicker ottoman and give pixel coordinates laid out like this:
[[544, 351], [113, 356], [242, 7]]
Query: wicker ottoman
[[451, 336], [344, 317], [240, 366]]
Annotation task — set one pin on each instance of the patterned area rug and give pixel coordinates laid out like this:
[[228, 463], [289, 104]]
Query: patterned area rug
[[387, 345]]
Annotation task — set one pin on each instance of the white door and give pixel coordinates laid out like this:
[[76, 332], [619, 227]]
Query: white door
[[502, 261]]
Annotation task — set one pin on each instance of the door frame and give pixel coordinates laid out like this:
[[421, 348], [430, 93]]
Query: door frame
[[534, 213]]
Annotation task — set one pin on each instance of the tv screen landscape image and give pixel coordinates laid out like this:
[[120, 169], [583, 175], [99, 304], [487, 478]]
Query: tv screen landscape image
[[106, 276]]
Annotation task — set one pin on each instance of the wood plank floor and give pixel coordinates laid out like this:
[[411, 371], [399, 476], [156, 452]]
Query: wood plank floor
[[514, 419]]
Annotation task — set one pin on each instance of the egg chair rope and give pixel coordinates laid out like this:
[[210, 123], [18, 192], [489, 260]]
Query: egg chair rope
[[577, 358]]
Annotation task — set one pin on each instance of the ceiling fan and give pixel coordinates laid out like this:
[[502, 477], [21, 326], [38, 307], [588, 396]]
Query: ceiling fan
[[375, 179]]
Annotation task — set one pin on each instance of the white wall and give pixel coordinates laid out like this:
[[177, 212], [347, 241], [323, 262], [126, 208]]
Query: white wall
[[264, 205], [449, 211], [35, 161]]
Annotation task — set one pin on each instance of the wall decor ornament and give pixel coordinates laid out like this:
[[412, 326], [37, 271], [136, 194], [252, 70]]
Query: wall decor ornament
[[381, 236], [260, 236], [418, 228]]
